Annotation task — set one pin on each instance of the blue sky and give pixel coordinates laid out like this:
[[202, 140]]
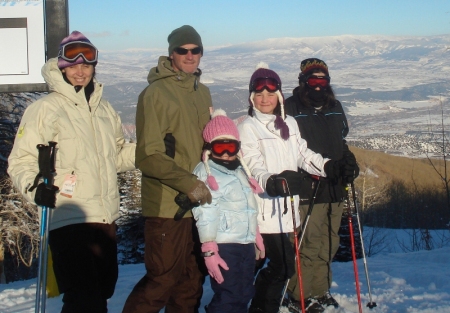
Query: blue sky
[[121, 24]]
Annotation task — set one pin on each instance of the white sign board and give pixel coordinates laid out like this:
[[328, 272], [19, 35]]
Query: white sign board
[[22, 41]]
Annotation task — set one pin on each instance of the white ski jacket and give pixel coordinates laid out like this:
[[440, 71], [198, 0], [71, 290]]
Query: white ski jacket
[[90, 146], [266, 154]]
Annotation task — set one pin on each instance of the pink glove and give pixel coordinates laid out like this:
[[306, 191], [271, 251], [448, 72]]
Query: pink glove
[[212, 262], [260, 251]]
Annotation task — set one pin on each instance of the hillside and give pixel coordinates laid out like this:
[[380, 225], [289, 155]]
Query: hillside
[[411, 171], [400, 192]]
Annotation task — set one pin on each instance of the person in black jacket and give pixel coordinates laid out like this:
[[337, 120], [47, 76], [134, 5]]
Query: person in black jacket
[[322, 123]]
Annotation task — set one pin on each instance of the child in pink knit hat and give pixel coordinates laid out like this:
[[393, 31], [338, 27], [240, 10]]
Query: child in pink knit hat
[[229, 223]]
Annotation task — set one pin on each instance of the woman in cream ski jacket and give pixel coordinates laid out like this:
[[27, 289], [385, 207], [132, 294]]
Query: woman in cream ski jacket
[[90, 151]]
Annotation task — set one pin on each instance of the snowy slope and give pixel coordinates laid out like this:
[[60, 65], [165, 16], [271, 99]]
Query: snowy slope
[[401, 283]]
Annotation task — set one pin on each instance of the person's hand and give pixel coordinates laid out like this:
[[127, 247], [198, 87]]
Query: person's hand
[[46, 197], [213, 260], [333, 170], [200, 193], [260, 251], [349, 167], [346, 167], [285, 184]]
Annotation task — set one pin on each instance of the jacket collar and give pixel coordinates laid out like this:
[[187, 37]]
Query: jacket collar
[[268, 120], [164, 70], [56, 83], [221, 168]]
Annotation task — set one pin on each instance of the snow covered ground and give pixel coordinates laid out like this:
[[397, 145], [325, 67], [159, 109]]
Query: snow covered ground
[[401, 282]]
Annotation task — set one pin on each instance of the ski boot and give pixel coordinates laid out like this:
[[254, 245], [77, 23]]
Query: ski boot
[[327, 300], [311, 305]]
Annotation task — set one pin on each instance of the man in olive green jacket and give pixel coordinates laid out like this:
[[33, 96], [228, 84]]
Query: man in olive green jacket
[[171, 114]]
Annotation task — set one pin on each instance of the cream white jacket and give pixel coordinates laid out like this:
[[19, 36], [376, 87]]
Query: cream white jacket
[[90, 145], [266, 154]]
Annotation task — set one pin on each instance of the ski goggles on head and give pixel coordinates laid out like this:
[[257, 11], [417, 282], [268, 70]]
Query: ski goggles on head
[[268, 83], [75, 49], [221, 146], [184, 51], [318, 81]]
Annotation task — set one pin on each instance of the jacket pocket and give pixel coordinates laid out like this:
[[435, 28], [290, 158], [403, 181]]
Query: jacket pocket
[[224, 222]]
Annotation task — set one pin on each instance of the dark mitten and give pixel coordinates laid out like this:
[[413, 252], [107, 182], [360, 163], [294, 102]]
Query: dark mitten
[[285, 184], [46, 197], [349, 167], [333, 170]]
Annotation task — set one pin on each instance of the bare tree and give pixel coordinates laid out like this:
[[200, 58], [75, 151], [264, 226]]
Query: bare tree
[[418, 240], [376, 241], [19, 229], [371, 190], [19, 234], [444, 146]]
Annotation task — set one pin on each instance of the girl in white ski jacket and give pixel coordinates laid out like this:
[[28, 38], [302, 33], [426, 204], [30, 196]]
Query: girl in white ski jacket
[[273, 150]]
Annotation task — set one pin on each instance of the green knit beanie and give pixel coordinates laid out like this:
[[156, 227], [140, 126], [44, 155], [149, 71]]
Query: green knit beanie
[[184, 35]]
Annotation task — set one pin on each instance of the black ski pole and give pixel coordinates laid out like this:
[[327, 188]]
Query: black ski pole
[[310, 208], [184, 204], [352, 243], [46, 160], [371, 303]]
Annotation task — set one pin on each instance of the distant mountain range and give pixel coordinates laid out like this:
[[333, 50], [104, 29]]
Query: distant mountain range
[[389, 85]]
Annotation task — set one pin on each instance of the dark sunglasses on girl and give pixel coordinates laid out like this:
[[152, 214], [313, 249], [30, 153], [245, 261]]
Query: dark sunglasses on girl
[[183, 51], [318, 81], [221, 146], [73, 50], [261, 83]]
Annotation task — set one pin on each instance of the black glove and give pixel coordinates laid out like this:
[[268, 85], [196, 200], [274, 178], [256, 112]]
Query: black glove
[[333, 170], [349, 167], [285, 184], [184, 204], [46, 197]]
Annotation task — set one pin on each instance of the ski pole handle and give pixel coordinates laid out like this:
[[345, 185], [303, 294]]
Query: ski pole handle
[[46, 162], [51, 178]]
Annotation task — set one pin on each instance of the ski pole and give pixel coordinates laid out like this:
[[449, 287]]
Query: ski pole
[[302, 231], [296, 245], [310, 208], [47, 171], [371, 304], [352, 242]]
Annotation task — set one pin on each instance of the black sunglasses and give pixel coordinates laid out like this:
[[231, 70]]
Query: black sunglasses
[[183, 51]]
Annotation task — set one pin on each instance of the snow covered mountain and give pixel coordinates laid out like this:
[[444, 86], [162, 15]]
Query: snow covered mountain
[[388, 85]]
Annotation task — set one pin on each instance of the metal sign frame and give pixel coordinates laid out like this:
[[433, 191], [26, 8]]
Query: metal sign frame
[[56, 27]]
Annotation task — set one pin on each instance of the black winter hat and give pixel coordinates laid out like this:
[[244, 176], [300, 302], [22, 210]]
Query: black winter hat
[[184, 35]]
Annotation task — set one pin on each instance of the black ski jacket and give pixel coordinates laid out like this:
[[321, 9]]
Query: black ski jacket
[[325, 131]]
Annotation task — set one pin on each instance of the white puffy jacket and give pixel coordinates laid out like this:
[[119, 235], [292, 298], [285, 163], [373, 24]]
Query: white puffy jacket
[[266, 153], [90, 145]]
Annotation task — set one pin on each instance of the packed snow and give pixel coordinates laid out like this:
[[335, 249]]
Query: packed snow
[[409, 282]]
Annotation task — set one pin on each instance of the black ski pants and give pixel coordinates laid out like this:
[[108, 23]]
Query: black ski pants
[[320, 244], [85, 265], [271, 280]]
